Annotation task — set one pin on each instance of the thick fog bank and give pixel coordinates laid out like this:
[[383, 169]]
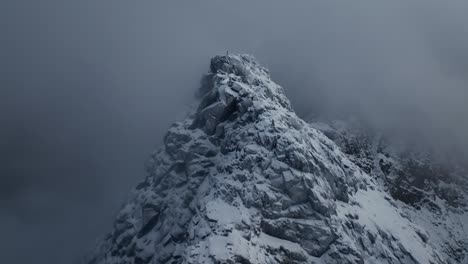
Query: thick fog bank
[[88, 89]]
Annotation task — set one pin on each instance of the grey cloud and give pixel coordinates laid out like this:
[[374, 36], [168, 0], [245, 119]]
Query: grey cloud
[[88, 89]]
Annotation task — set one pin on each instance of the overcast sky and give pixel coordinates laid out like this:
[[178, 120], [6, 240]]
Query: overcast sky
[[88, 89]]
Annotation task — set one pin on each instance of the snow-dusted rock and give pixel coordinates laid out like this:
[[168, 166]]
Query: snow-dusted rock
[[244, 180], [432, 192]]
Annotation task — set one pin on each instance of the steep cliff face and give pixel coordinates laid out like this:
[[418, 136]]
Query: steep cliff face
[[244, 180]]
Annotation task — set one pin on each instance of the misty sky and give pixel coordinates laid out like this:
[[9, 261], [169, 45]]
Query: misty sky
[[88, 89]]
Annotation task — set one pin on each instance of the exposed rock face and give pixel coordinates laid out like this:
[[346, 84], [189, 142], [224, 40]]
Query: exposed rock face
[[408, 173], [244, 180]]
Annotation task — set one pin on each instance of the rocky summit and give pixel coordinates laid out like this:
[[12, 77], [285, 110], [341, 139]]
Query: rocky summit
[[244, 180]]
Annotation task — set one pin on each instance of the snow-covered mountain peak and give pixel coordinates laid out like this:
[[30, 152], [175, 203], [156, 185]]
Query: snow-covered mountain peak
[[235, 84], [244, 180]]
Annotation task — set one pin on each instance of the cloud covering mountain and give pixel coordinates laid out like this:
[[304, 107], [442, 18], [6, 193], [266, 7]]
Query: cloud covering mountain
[[89, 88]]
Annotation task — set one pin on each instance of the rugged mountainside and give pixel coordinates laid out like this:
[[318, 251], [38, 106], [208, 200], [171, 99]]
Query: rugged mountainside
[[432, 191], [244, 180]]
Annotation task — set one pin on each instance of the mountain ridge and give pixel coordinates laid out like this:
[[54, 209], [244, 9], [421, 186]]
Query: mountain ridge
[[244, 180]]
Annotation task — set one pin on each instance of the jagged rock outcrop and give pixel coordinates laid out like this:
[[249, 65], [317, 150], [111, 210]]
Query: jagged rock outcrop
[[244, 180]]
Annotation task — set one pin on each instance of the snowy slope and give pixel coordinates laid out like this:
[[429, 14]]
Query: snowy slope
[[431, 192], [244, 180]]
